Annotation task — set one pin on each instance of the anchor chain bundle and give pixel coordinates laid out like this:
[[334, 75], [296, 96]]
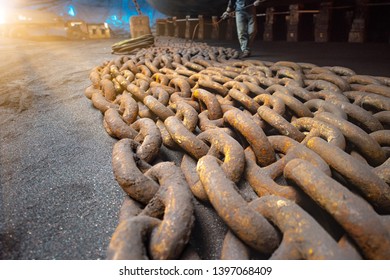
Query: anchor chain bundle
[[292, 157]]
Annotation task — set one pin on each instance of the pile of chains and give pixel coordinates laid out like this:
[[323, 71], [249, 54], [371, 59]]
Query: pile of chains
[[129, 46], [292, 157]]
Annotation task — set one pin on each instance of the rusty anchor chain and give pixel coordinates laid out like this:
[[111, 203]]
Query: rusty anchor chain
[[291, 158]]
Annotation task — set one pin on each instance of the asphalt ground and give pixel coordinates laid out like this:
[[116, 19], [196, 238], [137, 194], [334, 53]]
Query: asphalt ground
[[58, 195]]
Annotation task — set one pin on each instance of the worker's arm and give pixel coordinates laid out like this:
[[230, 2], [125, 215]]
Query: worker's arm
[[229, 9], [230, 6], [257, 2]]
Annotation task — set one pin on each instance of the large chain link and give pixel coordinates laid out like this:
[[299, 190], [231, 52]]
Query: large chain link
[[309, 145]]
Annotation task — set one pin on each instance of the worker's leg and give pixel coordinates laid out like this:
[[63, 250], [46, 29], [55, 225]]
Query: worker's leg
[[252, 28], [242, 30]]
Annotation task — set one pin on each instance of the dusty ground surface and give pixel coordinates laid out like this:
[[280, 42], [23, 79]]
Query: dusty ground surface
[[59, 199], [58, 196]]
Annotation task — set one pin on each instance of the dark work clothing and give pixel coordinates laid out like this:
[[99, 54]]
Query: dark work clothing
[[245, 21], [239, 5]]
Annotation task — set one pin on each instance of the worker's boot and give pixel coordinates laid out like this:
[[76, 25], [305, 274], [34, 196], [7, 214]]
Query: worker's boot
[[245, 53]]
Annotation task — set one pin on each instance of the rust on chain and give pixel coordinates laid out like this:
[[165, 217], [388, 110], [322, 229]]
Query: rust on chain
[[281, 124], [211, 103], [376, 191], [128, 108], [362, 80], [159, 109], [249, 79], [237, 85], [194, 66], [289, 64], [253, 134], [318, 106], [377, 89], [108, 89], [151, 66], [277, 88], [246, 223], [212, 86], [175, 98], [197, 76], [129, 209], [166, 88], [128, 75], [375, 102], [185, 72], [221, 144], [185, 138], [122, 81], [244, 99], [182, 86], [126, 166], [94, 77], [321, 85], [166, 137], [234, 249], [317, 128], [291, 74], [382, 137], [358, 115], [262, 183], [303, 237], [330, 95], [341, 83], [160, 94], [292, 149], [188, 166], [354, 214], [150, 138], [101, 103], [383, 171], [128, 240], [160, 78], [366, 145], [145, 112], [219, 78], [384, 118], [272, 102], [173, 202], [293, 104], [116, 127], [206, 123], [187, 114], [142, 81], [203, 62], [143, 69], [89, 91], [300, 93], [138, 93]]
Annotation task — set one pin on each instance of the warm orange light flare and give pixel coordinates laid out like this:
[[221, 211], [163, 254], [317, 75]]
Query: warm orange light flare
[[4, 9]]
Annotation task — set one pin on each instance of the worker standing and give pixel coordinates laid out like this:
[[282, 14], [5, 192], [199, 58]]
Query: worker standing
[[245, 22]]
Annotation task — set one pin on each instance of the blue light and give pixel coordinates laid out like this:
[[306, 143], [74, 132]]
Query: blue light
[[71, 11], [114, 20]]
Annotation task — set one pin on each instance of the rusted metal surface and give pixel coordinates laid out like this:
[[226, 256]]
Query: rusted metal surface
[[303, 237], [293, 158], [173, 202], [354, 214], [251, 227]]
